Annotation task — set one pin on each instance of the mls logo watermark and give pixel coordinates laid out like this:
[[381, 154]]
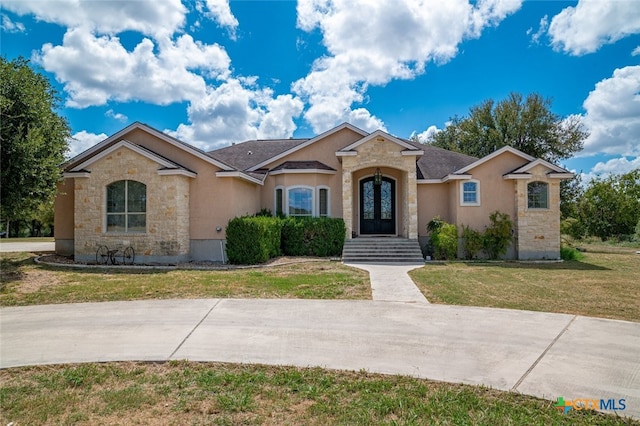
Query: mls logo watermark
[[566, 405]]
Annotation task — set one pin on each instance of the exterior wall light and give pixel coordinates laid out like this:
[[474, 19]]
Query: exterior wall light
[[377, 177]]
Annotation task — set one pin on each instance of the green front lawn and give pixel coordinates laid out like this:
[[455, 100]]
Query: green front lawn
[[603, 284], [24, 283], [186, 393]]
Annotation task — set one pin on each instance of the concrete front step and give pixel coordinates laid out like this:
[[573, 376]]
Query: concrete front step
[[381, 249]]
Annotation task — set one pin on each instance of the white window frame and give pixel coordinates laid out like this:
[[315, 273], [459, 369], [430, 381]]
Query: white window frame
[[466, 203], [328, 189], [275, 200], [313, 199]]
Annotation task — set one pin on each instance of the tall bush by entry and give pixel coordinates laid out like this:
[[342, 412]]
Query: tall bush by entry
[[443, 237], [472, 242], [498, 235]]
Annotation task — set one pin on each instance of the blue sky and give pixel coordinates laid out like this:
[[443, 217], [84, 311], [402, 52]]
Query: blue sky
[[212, 72]]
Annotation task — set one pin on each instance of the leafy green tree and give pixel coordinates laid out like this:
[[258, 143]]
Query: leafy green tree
[[527, 124], [33, 139], [571, 191], [610, 207]]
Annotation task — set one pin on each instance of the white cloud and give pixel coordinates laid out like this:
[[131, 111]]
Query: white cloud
[[372, 43], [235, 111], [593, 23], [636, 51], [544, 25], [82, 141], [95, 70], [427, 134], [615, 166], [116, 115], [166, 66], [613, 114], [221, 13], [158, 18], [12, 27]]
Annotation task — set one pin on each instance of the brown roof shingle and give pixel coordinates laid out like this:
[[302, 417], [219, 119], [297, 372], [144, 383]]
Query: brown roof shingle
[[244, 155], [437, 163]]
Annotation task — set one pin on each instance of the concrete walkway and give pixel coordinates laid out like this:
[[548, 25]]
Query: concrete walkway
[[391, 283], [541, 354]]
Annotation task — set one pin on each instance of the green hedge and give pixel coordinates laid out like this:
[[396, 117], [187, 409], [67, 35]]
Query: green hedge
[[443, 237], [318, 236], [252, 240]]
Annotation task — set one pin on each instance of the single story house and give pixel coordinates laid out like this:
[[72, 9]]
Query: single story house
[[172, 201]]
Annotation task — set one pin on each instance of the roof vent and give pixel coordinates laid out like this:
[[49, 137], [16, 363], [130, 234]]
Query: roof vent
[[250, 152]]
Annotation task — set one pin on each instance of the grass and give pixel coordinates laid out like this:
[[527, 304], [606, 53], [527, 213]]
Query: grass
[[178, 393], [603, 284], [22, 282]]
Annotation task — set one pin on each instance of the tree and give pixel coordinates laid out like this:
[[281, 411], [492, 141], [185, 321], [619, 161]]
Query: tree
[[571, 191], [525, 124], [33, 139], [611, 207]]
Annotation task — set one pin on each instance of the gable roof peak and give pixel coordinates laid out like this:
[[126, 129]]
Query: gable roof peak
[[114, 138]]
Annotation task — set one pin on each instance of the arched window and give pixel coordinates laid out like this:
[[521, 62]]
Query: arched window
[[538, 195], [126, 206], [300, 201]]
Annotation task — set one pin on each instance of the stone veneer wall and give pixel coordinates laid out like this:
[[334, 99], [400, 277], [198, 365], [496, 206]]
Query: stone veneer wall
[[167, 235], [538, 230], [382, 154]]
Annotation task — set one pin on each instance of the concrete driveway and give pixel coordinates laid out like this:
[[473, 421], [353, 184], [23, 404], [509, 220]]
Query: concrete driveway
[[29, 247], [541, 354]]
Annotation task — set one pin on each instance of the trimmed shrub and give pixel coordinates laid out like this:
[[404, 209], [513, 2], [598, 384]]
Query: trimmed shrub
[[293, 243], [318, 236], [252, 240], [472, 242], [443, 238], [497, 236], [327, 236]]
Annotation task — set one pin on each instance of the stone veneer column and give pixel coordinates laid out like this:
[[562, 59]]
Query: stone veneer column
[[538, 229], [412, 199], [347, 200]]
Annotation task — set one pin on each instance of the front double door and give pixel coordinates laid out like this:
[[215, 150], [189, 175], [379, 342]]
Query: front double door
[[377, 207]]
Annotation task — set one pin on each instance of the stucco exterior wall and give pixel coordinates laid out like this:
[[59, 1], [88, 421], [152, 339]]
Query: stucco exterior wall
[[433, 200], [313, 180], [538, 229], [496, 193], [167, 219], [324, 151], [63, 215]]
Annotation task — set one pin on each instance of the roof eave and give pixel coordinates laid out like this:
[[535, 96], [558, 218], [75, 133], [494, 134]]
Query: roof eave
[[240, 175]]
